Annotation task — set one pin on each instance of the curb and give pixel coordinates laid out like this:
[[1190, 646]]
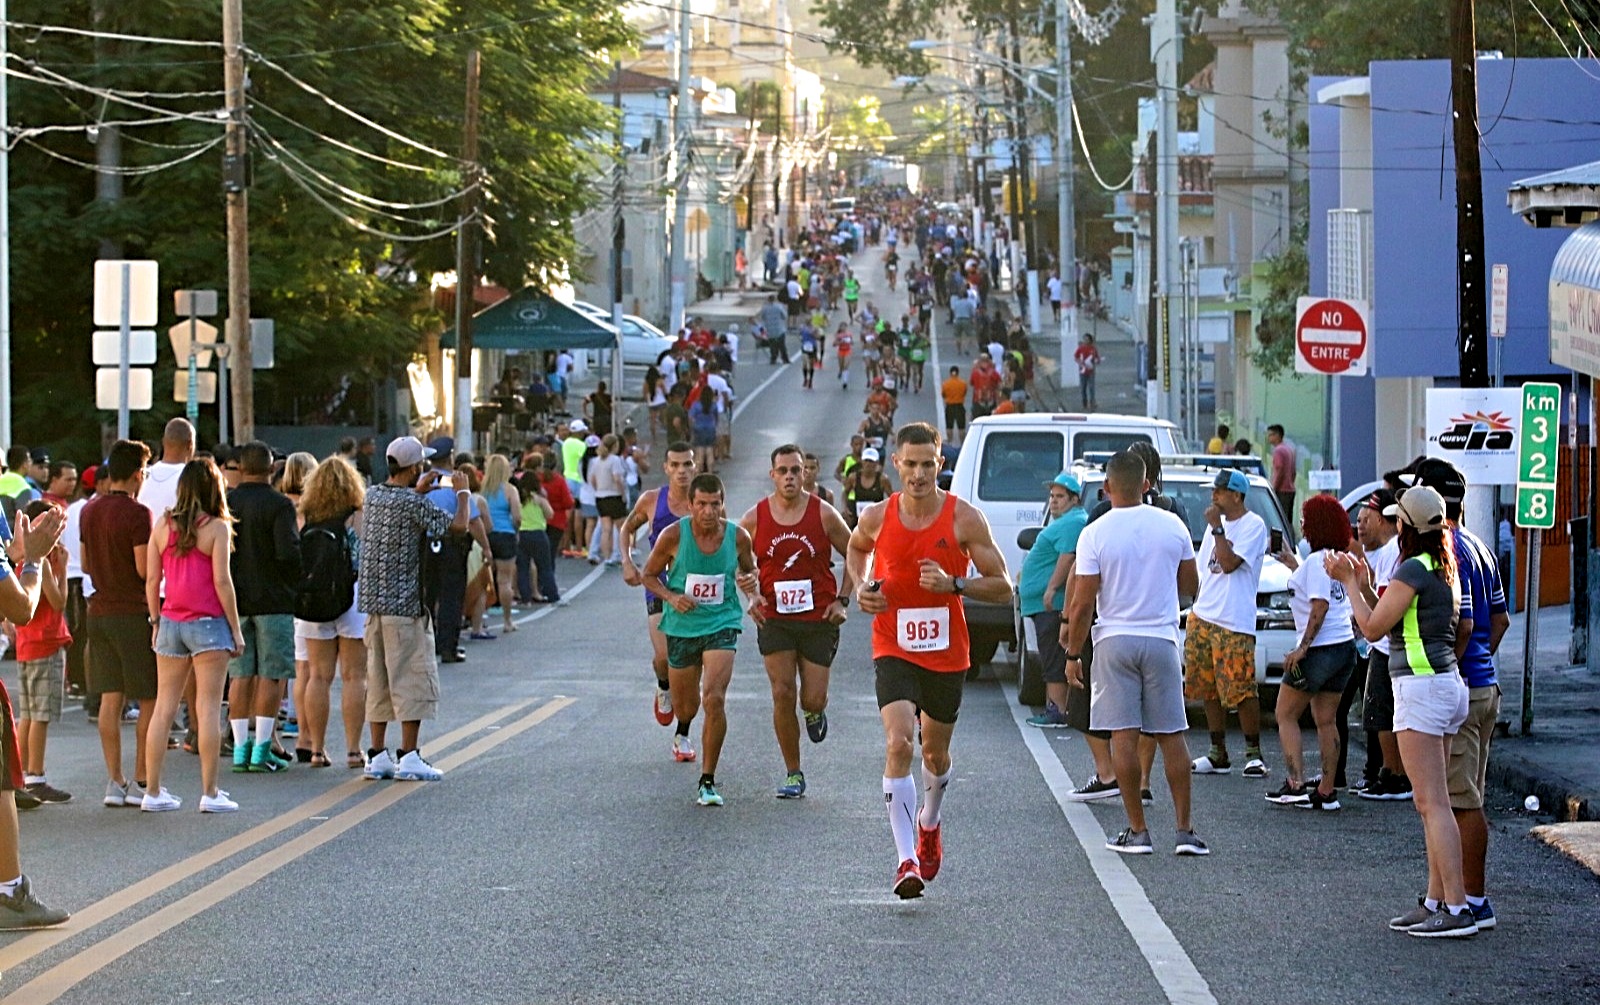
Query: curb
[[1558, 796]]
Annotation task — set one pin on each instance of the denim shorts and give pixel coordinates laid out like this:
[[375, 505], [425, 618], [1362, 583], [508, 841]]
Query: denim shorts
[[182, 639]]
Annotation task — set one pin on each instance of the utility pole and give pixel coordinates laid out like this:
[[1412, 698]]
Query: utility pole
[[1067, 239], [236, 182], [682, 119], [5, 244], [1166, 47], [619, 233], [467, 260], [1025, 169]]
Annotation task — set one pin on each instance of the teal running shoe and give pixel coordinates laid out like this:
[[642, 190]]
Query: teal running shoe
[[794, 785], [708, 794]]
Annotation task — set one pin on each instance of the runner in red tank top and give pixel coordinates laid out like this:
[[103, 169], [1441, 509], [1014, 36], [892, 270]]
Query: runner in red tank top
[[795, 535], [919, 543]]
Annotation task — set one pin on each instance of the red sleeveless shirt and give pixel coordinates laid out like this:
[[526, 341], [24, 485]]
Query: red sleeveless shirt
[[795, 564], [927, 629]]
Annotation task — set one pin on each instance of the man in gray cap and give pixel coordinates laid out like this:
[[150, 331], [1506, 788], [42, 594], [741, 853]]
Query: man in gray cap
[[402, 677]]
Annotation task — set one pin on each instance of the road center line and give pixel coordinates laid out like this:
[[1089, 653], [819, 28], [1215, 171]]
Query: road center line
[[25, 949], [1172, 967], [58, 980]]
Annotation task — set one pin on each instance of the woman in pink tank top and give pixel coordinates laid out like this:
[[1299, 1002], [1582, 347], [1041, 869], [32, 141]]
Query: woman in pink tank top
[[195, 626]]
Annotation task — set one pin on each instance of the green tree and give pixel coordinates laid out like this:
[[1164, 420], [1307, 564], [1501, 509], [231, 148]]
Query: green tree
[[350, 304], [1343, 36], [859, 125]]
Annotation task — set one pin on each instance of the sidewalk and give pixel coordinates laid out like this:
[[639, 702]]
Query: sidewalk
[[1117, 387], [1559, 761]]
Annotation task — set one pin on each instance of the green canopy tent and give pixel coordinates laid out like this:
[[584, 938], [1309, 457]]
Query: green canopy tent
[[532, 321]]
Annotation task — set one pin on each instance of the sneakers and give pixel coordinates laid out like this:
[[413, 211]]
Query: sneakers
[[117, 795], [1315, 800], [930, 851], [241, 757], [817, 726], [794, 785], [707, 794], [1254, 767], [379, 766], [663, 707], [219, 803], [1288, 795], [908, 880], [682, 750], [1094, 789], [412, 768], [1416, 916], [26, 800], [160, 802], [47, 793], [1147, 797], [21, 909], [1388, 788], [1131, 842], [1051, 718], [1189, 843], [263, 760], [1214, 763], [1441, 924], [1483, 914]]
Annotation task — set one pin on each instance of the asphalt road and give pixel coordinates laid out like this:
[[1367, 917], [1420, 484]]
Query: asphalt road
[[562, 859]]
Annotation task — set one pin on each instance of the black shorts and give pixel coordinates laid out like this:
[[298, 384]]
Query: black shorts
[[614, 507], [1378, 703], [1324, 669], [502, 545], [1052, 658], [652, 604], [936, 694], [121, 660], [1078, 698], [815, 641], [955, 416]]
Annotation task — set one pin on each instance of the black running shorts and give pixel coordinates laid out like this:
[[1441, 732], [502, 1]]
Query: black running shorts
[[815, 641], [937, 694]]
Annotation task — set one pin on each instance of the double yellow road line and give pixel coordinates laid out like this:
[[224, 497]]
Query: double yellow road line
[[55, 982]]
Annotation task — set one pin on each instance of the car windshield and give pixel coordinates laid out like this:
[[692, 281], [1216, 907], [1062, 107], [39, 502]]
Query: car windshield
[[1016, 466], [1193, 498], [1102, 442]]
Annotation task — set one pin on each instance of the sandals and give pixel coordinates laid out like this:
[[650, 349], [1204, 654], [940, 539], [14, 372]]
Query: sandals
[[319, 759], [354, 759]]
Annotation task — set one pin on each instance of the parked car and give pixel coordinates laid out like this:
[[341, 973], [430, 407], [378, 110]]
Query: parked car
[[642, 342], [1191, 485], [1003, 465]]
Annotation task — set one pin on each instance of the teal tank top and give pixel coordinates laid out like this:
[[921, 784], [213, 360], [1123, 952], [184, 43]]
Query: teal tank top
[[704, 578]]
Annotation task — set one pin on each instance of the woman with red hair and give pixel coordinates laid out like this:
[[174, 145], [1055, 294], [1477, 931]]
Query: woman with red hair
[[1315, 671]]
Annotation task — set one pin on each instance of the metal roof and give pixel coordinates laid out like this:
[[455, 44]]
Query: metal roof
[[1577, 262], [1565, 198]]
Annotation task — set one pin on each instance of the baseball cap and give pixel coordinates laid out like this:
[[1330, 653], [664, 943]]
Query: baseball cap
[[1419, 507], [406, 451], [871, 454], [1068, 482], [441, 445], [1233, 480], [592, 441], [39, 455], [89, 475], [1380, 500], [1443, 477], [578, 426], [733, 327]]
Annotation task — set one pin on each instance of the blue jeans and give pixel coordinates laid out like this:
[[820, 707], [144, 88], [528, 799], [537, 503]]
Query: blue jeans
[[533, 554]]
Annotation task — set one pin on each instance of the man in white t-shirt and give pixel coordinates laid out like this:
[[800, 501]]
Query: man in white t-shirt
[[563, 375], [160, 490], [1219, 650], [1133, 563], [1053, 288], [718, 385], [1379, 536]]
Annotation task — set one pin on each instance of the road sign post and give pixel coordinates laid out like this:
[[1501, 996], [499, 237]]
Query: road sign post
[[195, 304], [125, 296], [1536, 510], [1499, 299]]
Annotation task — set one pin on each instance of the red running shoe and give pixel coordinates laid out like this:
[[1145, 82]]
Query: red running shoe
[[930, 850], [664, 707], [907, 880]]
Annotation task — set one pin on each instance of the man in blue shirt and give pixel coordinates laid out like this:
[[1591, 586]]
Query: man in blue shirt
[[1484, 621], [1040, 587]]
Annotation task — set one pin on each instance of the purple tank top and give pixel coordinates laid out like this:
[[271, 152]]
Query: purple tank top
[[659, 521]]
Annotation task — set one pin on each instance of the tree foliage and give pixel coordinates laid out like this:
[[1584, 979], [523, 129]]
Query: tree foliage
[[350, 305], [1343, 36]]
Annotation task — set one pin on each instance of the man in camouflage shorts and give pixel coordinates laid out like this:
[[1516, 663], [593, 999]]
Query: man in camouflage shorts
[[1219, 652]]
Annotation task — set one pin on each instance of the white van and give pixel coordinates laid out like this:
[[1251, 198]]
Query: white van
[[1004, 464]]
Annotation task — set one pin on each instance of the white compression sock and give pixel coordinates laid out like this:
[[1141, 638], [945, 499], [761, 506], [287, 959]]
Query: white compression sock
[[265, 724], [900, 798], [241, 731], [10, 888], [933, 787]]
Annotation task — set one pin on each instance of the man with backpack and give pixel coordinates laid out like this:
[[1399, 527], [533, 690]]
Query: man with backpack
[[266, 577], [398, 526]]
